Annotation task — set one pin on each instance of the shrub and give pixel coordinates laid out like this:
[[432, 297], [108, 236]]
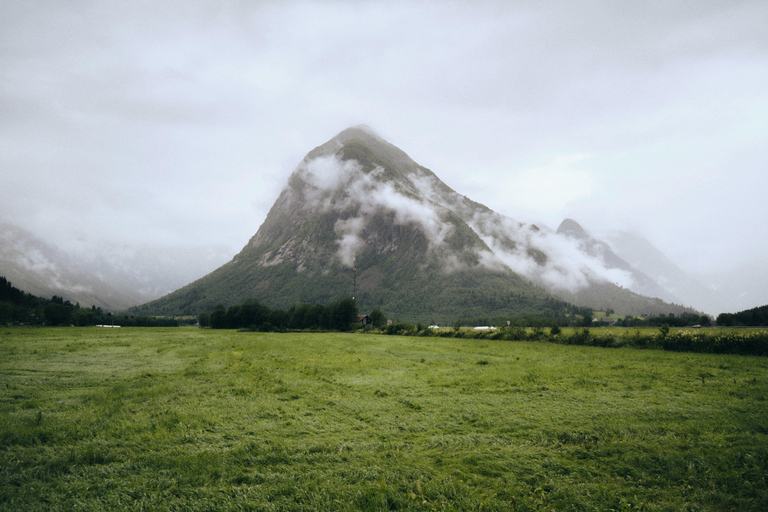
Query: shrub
[[580, 337], [514, 333], [400, 329]]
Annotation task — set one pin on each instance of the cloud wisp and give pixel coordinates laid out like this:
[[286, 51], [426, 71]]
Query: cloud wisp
[[552, 260], [335, 185]]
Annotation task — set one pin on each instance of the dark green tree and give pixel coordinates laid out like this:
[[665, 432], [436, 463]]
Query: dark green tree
[[233, 317], [753, 317], [297, 316], [219, 317], [278, 318], [378, 320], [725, 319], [315, 316], [84, 317], [6, 313], [344, 314], [251, 313], [58, 313]]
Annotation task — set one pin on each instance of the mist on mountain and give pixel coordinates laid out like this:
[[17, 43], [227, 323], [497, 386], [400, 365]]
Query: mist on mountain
[[359, 206], [109, 276]]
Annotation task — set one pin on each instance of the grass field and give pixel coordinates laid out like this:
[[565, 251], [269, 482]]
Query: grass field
[[189, 419]]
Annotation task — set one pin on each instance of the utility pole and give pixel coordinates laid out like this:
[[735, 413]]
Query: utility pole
[[354, 280]]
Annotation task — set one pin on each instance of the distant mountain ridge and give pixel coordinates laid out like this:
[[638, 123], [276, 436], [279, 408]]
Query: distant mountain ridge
[[641, 282], [44, 271], [644, 256], [359, 217], [112, 278]]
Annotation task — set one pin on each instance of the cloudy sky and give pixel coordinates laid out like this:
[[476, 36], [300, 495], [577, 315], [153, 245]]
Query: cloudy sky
[[178, 123]]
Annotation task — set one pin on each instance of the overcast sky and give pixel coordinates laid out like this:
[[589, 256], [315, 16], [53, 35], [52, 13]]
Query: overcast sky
[[179, 122]]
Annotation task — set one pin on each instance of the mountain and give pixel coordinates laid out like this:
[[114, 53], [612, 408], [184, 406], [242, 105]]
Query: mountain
[[641, 282], [149, 272], [359, 217], [43, 270], [644, 256], [111, 277]]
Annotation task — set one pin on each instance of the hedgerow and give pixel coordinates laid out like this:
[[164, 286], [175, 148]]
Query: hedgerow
[[746, 342]]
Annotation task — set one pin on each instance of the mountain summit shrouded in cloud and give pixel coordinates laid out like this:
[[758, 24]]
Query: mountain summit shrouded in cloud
[[359, 217]]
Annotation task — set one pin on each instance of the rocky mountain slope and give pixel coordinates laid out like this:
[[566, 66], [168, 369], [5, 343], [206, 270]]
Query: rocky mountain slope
[[359, 217]]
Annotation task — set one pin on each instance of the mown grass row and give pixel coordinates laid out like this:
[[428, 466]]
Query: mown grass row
[[191, 419]]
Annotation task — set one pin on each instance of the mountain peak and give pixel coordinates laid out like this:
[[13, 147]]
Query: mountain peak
[[359, 215], [360, 136], [570, 227], [359, 130]]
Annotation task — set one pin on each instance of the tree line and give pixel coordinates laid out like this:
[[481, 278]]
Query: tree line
[[18, 307], [584, 317], [711, 341], [682, 320], [252, 314], [749, 317]]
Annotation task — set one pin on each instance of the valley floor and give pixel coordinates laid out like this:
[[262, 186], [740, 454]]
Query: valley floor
[[190, 419]]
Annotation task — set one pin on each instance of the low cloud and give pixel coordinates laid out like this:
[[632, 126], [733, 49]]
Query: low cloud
[[335, 185], [350, 242], [555, 261], [566, 267], [514, 244]]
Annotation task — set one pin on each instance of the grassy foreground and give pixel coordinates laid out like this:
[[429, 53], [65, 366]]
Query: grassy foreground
[[188, 419]]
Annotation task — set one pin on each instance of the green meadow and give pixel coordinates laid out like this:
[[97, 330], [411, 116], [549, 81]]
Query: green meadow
[[190, 419]]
